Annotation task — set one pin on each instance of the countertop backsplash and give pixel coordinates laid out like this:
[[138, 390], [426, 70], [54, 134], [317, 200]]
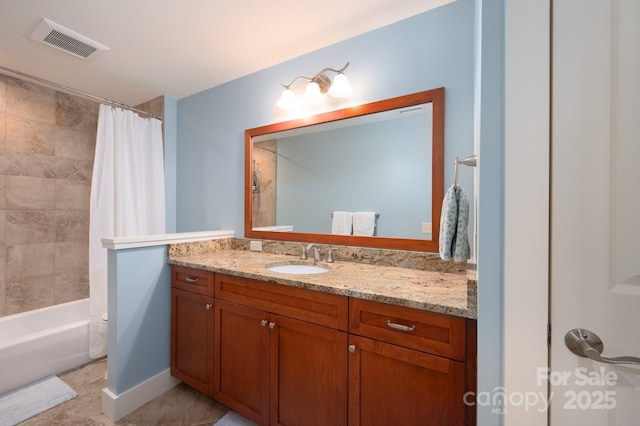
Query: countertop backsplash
[[365, 255]]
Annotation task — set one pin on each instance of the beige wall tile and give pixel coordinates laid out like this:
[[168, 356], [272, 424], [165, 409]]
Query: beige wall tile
[[29, 100], [28, 294], [30, 260], [3, 202], [29, 136], [3, 93], [71, 285], [78, 145], [10, 162], [73, 112], [83, 170], [29, 226], [3, 227], [72, 195], [3, 130], [72, 256], [154, 106], [46, 159], [72, 225], [25, 192]]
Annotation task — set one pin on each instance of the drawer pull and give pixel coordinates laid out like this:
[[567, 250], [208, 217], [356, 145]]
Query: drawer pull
[[191, 280], [400, 326]]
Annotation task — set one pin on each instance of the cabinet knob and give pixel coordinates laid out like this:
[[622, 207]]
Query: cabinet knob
[[208, 306], [352, 349], [263, 323], [272, 325]]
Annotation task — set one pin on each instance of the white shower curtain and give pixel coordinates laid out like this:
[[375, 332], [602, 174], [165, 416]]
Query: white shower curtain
[[127, 197]]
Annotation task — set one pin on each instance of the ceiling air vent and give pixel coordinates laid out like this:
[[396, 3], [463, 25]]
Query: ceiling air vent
[[55, 35]]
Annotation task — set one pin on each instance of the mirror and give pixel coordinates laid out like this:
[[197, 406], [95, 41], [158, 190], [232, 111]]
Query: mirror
[[385, 158]]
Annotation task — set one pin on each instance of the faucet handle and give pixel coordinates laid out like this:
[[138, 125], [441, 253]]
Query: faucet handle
[[330, 255], [303, 254]]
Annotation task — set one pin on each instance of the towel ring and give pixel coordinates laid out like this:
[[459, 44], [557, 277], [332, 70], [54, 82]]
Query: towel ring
[[467, 161]]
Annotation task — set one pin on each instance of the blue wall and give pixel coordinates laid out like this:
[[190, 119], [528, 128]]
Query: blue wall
[[490, 144], [170, 127], [434, 49], [139, 316]]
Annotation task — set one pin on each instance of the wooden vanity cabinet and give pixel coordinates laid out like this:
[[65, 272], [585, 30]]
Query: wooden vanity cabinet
[[406, 366], [281, 353], [192, 317]]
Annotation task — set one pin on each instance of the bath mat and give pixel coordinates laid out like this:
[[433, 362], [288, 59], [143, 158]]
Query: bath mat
[[28, 401], [234, 419]]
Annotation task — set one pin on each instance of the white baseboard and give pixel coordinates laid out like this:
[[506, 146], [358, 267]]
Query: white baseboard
[[116, 407]]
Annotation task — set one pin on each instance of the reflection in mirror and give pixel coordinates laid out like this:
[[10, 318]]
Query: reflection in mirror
[[383, 158]]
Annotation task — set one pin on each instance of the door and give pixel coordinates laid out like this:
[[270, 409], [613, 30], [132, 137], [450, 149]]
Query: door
[[595, 209], [192, 339], [241, 353], [308, 374], [394, 385]]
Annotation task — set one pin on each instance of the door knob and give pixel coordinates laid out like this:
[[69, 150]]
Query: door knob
[[587, 344]]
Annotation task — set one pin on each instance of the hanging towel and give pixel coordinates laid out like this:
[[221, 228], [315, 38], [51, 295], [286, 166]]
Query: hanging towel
[[342, 223], [364, 223], [454, 238]]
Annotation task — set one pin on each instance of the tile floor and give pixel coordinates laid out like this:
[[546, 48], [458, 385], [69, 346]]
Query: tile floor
[[181, 406]]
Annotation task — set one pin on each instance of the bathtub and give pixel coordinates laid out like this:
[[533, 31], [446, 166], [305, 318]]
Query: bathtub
[[42, 342]]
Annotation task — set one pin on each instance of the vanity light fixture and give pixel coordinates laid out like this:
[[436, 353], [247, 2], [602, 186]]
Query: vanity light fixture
[[318, 85]]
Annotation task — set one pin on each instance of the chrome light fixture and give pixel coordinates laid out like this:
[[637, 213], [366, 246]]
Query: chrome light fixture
[[318, 85]]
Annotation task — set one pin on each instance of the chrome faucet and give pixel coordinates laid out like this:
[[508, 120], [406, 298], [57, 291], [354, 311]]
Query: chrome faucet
[[306, 250]]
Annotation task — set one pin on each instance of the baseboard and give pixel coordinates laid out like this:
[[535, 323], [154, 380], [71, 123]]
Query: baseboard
[[116, 407]]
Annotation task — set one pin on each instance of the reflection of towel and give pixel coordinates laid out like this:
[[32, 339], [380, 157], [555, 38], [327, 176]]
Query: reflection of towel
[[341, 223], [454, 239], [364, 223]]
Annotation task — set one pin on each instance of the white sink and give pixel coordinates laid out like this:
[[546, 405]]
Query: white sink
[[295, 268]]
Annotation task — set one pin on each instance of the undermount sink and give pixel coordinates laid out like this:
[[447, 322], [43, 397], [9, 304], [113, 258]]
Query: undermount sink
[[296, 268]]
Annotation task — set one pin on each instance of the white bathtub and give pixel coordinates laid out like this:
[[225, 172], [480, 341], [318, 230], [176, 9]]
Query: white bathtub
[[43, 342]]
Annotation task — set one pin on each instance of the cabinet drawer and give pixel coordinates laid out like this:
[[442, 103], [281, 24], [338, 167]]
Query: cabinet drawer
[[191, 279], [326, 309], [434, 333]]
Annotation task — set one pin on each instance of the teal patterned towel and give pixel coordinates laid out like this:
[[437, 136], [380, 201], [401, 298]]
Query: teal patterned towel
[[454, 238]]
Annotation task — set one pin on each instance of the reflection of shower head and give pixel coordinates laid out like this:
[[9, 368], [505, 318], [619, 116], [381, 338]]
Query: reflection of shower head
[[254, 184]]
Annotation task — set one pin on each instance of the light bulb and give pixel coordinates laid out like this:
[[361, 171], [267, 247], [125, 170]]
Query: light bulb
[[340, 87], [313, 94], [287, 99]]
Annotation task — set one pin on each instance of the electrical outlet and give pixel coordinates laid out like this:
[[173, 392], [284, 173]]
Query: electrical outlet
[[255, 246], [427, 228]]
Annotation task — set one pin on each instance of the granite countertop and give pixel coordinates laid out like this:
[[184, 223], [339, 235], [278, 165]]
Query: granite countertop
[[440, 292]]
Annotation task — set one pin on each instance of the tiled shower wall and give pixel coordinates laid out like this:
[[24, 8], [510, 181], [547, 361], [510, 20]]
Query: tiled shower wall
[[47, 144]]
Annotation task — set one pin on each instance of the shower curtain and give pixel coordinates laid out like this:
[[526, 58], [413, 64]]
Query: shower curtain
[[127, 197]]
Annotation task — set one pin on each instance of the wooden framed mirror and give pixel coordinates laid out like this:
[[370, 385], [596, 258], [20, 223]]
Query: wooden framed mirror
[[385, 157]]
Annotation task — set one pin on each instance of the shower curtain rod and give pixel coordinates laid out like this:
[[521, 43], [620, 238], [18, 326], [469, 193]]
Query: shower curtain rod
[[79, 92]]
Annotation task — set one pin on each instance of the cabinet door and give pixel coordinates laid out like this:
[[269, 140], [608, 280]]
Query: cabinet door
[[308, 374], [192, 339], [241, 351], [393, 385]]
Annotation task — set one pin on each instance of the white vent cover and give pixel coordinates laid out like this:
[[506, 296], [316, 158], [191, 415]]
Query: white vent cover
[[55, 35]]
